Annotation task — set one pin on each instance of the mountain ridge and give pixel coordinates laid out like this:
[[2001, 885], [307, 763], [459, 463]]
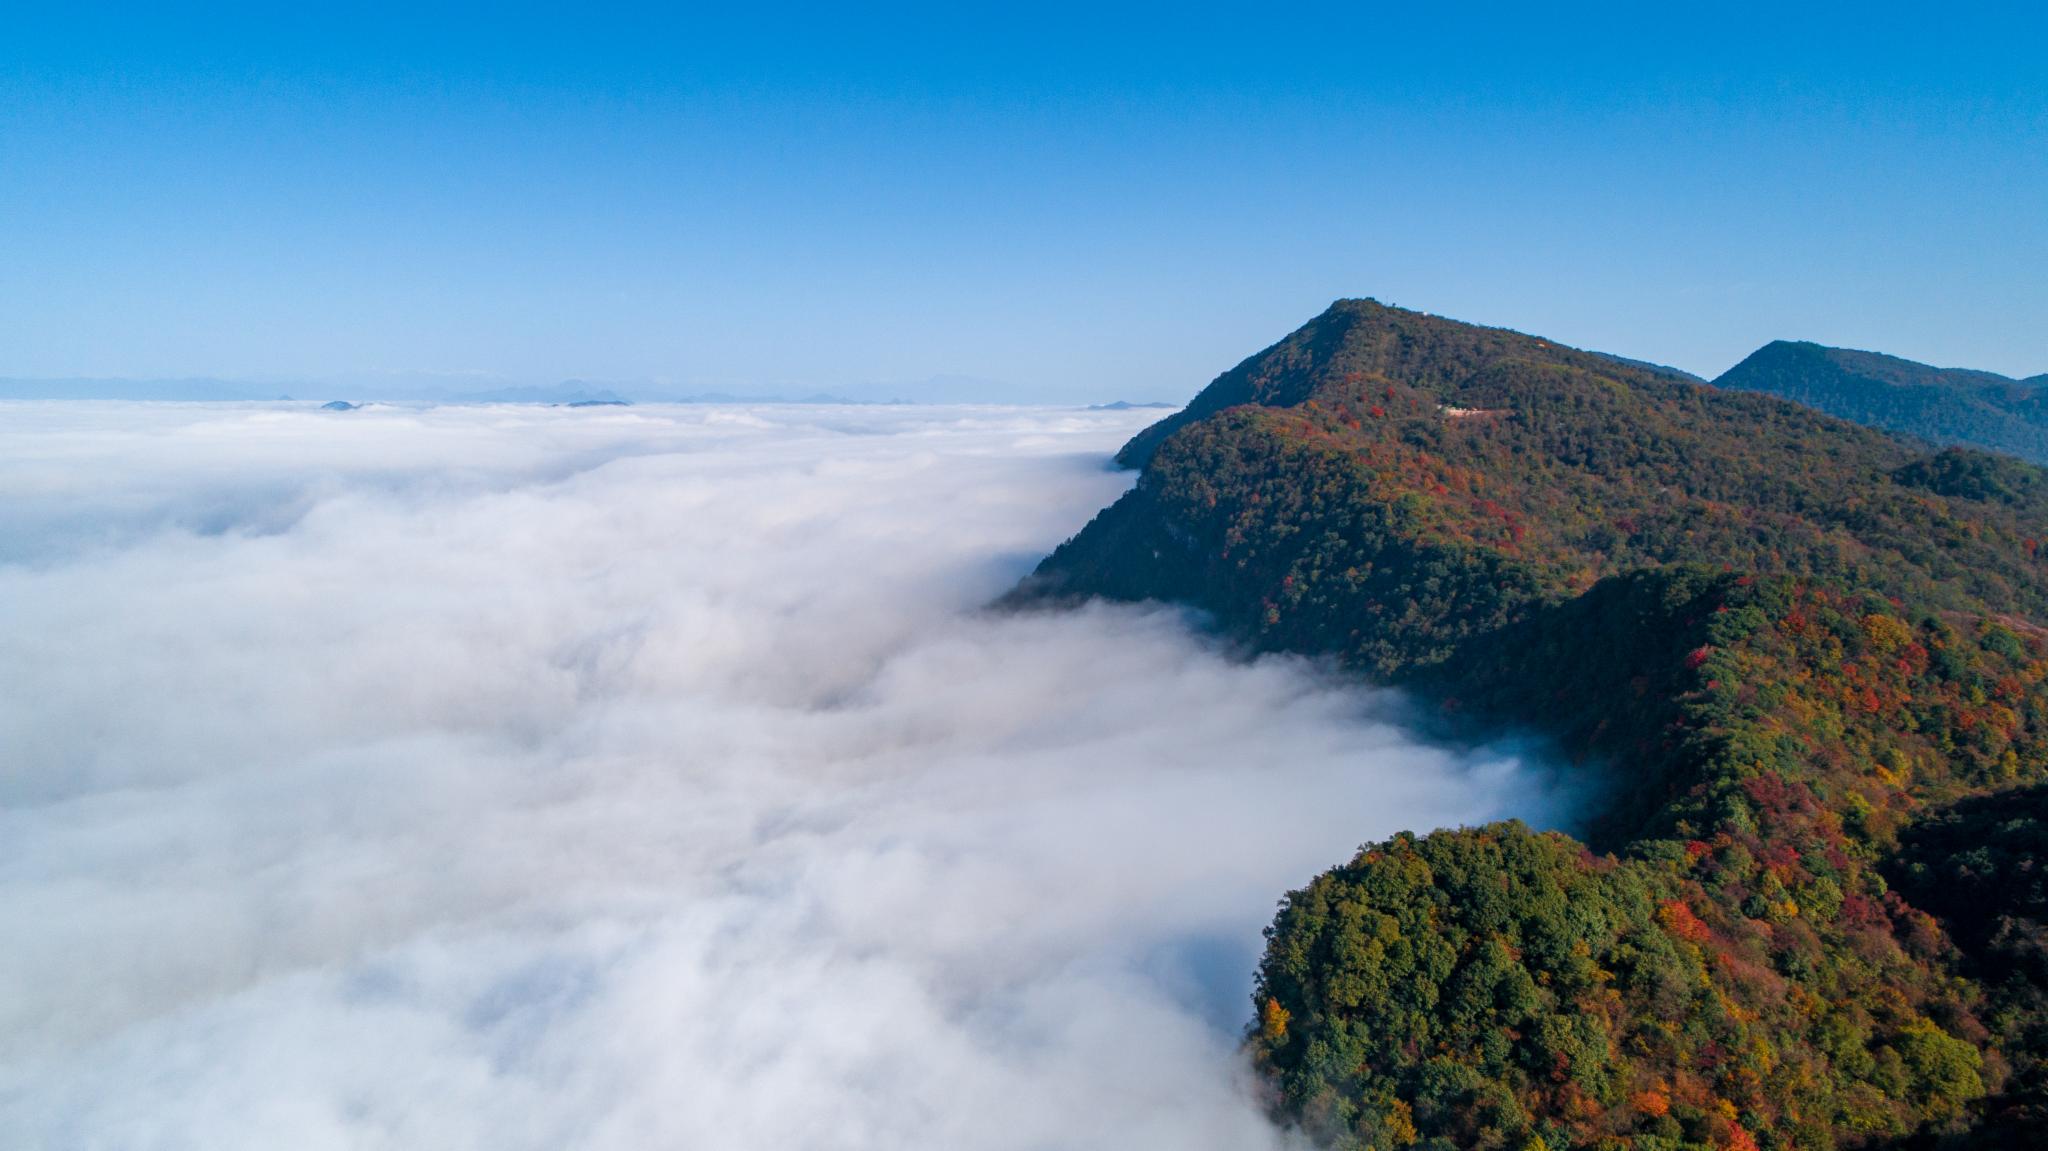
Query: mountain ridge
[[1941, 405], [1781, 634]]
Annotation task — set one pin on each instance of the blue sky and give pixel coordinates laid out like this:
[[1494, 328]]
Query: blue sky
[[1056, 202]]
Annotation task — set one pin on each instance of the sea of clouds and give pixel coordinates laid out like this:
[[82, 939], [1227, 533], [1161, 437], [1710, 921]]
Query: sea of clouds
[[503, 778]]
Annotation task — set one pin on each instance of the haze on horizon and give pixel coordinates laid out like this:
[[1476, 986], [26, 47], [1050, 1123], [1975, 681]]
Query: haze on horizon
[[926, 203]]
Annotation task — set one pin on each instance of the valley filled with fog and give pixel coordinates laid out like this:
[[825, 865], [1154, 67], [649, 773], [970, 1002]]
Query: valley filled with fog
[[510, 777]]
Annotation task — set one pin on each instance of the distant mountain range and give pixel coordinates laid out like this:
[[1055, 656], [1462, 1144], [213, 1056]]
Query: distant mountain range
[[1941, 405], [566, 392]]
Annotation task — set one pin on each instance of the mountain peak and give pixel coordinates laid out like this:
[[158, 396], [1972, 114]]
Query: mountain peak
[[1943, 405], [1748, 617], [1361, 340]]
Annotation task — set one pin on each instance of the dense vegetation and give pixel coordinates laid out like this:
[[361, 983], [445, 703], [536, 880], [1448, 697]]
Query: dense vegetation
[[1944, 405], [1979, 867], [1782, 636]]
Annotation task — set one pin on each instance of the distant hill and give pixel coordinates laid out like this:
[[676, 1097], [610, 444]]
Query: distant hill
[[1941, 405], [566, 392], [1779, 638], [1127, 406]]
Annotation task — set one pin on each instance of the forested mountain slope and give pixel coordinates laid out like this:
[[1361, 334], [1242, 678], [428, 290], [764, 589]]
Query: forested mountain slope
[[1942, 405], [1783, 637]]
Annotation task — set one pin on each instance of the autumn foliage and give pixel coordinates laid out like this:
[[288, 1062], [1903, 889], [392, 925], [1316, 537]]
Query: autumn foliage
[[1780, 640]]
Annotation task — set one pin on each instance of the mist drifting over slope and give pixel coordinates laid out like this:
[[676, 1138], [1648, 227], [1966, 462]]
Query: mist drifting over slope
[[515, 777]]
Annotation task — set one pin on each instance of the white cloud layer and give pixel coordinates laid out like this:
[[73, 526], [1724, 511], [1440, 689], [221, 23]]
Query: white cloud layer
[[512, 778]]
